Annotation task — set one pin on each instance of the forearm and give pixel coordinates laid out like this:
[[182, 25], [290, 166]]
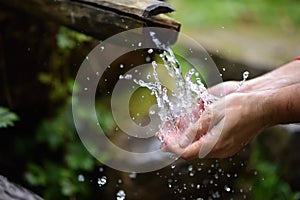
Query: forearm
[[286, 75], [283, 105]]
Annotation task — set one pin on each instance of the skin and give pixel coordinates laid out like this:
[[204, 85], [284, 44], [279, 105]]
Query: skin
[[240, 114]]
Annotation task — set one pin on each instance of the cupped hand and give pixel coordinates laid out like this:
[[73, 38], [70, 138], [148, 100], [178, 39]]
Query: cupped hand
[[223, 129]]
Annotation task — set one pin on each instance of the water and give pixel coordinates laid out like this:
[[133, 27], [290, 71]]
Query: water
[[186, 103], [121, 195], [245, 76], [102, 181]]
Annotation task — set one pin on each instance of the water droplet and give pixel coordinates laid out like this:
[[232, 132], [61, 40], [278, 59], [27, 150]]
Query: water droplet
[[226, 188], [216, 195], [101, 169], [150, 51], [224, 69], [87, 57], [121, 66], [128, 76], [139, 44], [152, 112], [121, 77], [133, 175], [245, 75], [80, 178], [173, 166], [148, 59], [121, 195], [102, 181], [216, 176], [148, 76], [101, 48], [97, 73], [191, 173], [85, 89]]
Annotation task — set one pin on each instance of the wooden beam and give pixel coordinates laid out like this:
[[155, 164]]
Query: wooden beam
[[100, 19], [140, 8]]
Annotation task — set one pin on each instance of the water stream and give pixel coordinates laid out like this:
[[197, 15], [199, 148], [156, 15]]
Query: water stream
[[186, 103]]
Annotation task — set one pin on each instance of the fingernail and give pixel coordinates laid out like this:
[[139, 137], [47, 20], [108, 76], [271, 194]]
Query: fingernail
[[184, 141]]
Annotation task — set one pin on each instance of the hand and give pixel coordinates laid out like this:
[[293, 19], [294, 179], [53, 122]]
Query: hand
[[223, 89], [223, 129]]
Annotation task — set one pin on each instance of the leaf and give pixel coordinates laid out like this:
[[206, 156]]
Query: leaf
[[7, 118], [68, 39]]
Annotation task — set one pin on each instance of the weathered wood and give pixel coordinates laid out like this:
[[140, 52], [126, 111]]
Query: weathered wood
[[140, 8], [10, 191], [100, 19]]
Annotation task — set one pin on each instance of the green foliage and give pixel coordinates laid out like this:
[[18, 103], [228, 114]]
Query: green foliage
[[7, 118], [205, 13], [67, 158], [68, 39], [56, 174], [268, 184]]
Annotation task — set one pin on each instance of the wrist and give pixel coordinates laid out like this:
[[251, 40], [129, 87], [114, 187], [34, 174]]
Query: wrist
[[265, 108]]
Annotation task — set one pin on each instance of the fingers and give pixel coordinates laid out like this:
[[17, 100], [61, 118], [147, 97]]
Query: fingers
[[195, 131], [188, 136], [223, 89], [204, 147], [193, 141], [210, 140], [192, 150]]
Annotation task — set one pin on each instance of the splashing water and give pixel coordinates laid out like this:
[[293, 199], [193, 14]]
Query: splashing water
[[245, 76], [121, 195], [188, 101]]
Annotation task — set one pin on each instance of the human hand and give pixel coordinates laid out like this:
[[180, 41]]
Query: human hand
[[224, 88], [223, 129]]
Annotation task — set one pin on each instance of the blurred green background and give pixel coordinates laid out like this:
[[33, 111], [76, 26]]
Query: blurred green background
[[40, 149]]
